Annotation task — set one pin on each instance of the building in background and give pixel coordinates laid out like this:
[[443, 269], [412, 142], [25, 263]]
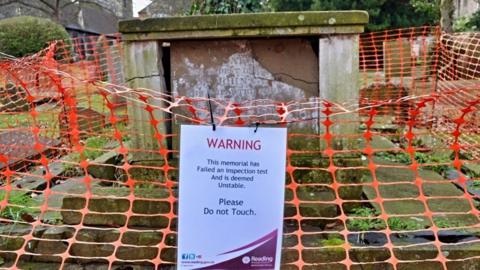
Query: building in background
[[466, 7], [79, 17], [165, 8]]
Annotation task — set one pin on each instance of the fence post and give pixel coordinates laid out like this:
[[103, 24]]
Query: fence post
[[143, 69], [339, 81]]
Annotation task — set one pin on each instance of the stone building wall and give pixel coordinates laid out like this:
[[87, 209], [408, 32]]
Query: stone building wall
[[99, 16], [465, 7], [121, 8], [165, 8]]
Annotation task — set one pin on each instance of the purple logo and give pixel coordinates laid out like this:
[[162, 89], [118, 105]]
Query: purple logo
[[261, 257]]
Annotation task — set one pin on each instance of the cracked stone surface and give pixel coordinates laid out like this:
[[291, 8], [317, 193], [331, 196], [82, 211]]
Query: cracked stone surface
[[239, 70], [282, 70]]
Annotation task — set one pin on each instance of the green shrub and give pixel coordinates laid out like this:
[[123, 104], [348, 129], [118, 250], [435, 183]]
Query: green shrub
[[20, 36], [399, 224], [467, 23], [333, 240], [367, 224], [227, 6]]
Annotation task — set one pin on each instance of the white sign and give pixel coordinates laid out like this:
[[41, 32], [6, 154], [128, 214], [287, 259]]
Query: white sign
[[232, 184]]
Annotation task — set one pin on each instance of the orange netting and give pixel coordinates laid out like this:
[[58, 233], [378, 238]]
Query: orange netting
[[80, 189]]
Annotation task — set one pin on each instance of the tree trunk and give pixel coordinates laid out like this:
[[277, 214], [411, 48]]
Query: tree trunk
[[447, 8], [56, 12]]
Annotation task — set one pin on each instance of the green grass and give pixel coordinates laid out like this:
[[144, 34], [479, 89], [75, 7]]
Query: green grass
[[398, 224], [93, 101], [48, 122], [94, 147], [444, 222], [19, 204], [333, 240], [368, 223], [421, 158], [476, 184]]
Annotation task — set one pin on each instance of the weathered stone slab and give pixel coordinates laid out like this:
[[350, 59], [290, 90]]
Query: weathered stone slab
[[380, 142], [88, 122], [338, 60], [142, 238], [112, 210], [98, 235], [47, 247], [13, 99], [246, 25], [116, 220], [243, 70], [408, 193], [91, 250], [136, 253], [17, 229], [68, 187], [19, 148], [84, 264], [103, 167], [35, 181], [11, 243], [397, 58], [143, 69], [239, 70], [473, 167]]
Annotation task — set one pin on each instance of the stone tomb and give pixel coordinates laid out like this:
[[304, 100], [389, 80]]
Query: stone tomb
[[243, 58]]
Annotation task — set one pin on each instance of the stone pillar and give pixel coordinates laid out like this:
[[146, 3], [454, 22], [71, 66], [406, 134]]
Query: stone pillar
[[143, 69], [339, 82]]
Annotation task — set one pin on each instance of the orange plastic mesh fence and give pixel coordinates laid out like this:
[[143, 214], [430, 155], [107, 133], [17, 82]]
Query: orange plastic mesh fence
[[400, 190], [396, 64]]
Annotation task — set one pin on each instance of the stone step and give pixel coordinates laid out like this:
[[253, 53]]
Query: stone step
[[405, 192], [19, 148], [35, 180], [111, 209]]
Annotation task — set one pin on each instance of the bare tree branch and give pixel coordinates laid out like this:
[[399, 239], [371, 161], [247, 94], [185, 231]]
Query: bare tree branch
[[4, 3], [46, 3], [69, 3], [29, 4]]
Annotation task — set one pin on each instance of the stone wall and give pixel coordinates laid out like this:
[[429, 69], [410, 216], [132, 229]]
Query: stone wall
[[100, 16], [164, 8], [465, 7], [123, 9]]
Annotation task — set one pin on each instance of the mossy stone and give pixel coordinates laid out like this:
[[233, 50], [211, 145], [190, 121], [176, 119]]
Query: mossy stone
[[136, 253], [10, 243], [151, 207], [323, 255], [98, 235], [169, 254], [319, 210], [142, 238], [91, 250], [289, 255], [369, 255], [253, 24], [417, 253]]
